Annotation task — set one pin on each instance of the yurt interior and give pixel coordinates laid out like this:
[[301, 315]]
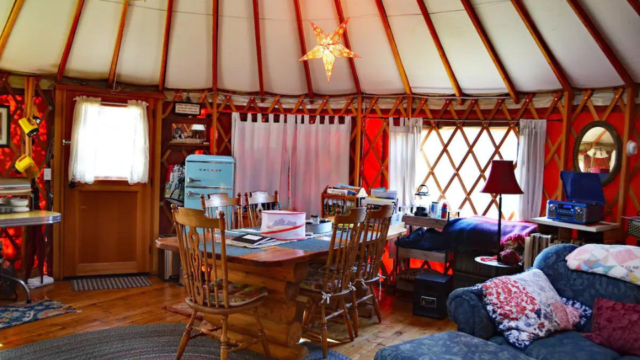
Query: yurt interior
[[320, 179]]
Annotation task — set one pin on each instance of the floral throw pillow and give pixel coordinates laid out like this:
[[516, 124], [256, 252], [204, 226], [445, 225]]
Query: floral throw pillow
[[526, 307]]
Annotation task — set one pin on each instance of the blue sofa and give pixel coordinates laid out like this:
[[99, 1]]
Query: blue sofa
[[477, 337]]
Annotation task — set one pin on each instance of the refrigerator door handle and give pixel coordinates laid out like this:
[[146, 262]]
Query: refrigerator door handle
[[191, 180], [192, 193]]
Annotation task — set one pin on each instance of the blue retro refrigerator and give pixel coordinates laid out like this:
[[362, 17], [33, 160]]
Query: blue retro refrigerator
[[207, 174]]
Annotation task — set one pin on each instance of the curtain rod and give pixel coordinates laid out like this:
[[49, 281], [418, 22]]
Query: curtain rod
[[454, 120], [113, 103]]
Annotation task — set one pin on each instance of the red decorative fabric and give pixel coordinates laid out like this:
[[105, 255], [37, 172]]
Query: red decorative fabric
[[616, 326]]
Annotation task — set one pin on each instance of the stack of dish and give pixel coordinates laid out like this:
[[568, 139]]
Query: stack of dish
[[13, 204]]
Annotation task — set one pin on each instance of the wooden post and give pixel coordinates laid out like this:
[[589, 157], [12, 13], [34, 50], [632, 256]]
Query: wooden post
[[165, 46], [156, 180], [116, 50], [358, 152], [29, 93], [214, 125], [630, 118], [57, 171], [8, 26], [566, 122]]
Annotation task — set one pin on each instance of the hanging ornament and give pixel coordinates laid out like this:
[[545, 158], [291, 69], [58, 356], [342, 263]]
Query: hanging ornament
[[329, 47]]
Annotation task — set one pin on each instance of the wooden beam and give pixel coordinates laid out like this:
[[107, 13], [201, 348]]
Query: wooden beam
[[635, 4], [602, 43], [567, 111], [8, 26], [358, 151], [394, 47], [491, 50], [544, 48], [436, 40], [347, 43], [70, 37], [214, 48], [303, 47], [256, 27], [630, 118], [116, 51], [165, 44]]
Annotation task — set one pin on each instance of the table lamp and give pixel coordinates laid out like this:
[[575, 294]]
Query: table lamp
[[197, 127], [502, 180]]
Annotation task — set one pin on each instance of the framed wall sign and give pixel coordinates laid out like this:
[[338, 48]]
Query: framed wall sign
[[186, 109], [5, 126]]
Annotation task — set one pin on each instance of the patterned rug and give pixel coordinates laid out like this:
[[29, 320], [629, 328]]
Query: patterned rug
[[22, 313], [110, 282], [181, 308], [159, 341]]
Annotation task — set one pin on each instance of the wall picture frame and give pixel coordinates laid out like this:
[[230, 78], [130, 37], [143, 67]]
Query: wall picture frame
[[5, 126]]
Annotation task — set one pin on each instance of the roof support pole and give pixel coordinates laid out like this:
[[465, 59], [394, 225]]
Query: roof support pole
[[394, 47], [358, 152], [303, 48], [70, 37], [214, 49], [165, 44], [347, 43], [635, 4], [544, 48], [490, 49], [116, 51], [436, 40], [602, 43], [8, 26], [630, 118], [256, 27]]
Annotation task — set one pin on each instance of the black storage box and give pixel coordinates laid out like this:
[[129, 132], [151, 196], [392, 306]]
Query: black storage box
[[430, 292]]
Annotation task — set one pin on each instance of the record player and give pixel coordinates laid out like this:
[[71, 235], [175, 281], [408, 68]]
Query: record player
[[585, 199]]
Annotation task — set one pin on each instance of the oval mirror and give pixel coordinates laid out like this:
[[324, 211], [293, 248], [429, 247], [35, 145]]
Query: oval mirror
[[598, 149]]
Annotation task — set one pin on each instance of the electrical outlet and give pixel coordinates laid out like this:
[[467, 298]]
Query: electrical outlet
[[47, 174]]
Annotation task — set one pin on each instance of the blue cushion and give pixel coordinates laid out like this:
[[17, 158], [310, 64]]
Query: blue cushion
[[629, 358], [569, 345], [449, 345], [581, 286]]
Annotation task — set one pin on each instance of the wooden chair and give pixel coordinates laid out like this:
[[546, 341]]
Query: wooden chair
[[333, 284], [257, 201], [369, 259], [222, 202], [206, 279]]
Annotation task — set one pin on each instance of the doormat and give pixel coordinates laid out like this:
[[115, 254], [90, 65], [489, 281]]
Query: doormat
[[111, 282], [22, 313]]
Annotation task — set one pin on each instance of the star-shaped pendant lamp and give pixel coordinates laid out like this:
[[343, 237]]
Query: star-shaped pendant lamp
[[329, 47]]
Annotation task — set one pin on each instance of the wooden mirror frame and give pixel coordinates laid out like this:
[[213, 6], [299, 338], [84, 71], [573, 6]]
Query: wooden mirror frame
[[618, 145]]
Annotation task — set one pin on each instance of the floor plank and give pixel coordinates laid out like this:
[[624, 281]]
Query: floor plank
[[103, 309]]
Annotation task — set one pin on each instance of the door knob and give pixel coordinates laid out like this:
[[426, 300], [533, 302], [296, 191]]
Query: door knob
[[66, 142]]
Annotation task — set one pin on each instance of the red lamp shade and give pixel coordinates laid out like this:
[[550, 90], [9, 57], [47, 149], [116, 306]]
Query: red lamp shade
[[502, 179]]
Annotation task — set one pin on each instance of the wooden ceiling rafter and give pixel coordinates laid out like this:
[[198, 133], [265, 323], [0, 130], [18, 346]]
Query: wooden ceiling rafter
[[394, 47], [468, 7], [165, 44], [347, 43], [303, 48], [118, 45], [602, 43], [70, 37], [544, 48], [214, 46], [8, 26], [443, 56], [256, 27], [635, 4]]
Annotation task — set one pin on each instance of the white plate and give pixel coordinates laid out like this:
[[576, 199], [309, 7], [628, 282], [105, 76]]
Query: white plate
[[21, 209]]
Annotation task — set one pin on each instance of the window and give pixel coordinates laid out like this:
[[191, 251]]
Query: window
[[452, 161], [109, 142]]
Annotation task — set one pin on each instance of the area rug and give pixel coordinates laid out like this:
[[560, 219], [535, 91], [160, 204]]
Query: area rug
[[22, 313], [159, 341], [110, 282], [181, 308]]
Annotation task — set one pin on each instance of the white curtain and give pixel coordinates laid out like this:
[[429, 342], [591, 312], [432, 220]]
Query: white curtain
[[262, 155], [530, 169], [139, 160], [84, 136], [320, 157], [404, 145], [109, 142]]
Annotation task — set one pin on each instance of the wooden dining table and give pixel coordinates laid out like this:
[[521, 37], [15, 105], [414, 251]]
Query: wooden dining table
[[280, 270]]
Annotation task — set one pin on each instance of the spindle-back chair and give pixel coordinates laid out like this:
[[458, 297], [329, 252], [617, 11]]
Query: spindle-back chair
[[214, 203], [258, 201]]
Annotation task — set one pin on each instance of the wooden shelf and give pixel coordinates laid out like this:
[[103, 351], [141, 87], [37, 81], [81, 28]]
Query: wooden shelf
[[186, 145]]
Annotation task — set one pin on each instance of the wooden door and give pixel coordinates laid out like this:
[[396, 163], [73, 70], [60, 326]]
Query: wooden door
[[107, 224]]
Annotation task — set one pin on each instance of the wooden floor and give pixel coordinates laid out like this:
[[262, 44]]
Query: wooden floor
[[110, 308]]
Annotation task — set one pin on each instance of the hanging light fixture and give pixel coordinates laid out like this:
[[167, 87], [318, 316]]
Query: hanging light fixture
[[329, 47]]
